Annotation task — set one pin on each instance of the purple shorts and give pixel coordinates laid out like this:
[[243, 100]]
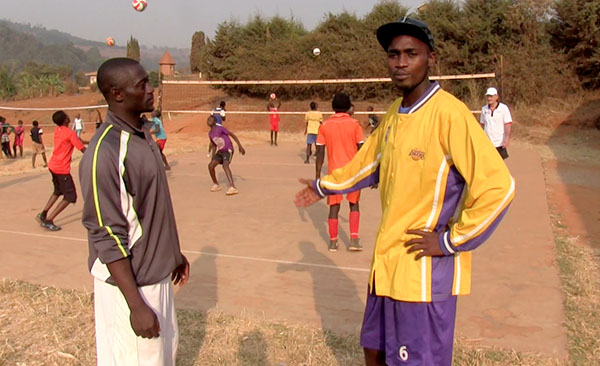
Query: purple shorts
[[410, 333]]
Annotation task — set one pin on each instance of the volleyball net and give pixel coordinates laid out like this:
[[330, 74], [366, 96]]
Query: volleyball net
[[248, 98]]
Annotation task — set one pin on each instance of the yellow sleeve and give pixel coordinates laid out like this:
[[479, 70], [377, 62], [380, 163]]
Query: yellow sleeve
[[488, 183], [363, 170]]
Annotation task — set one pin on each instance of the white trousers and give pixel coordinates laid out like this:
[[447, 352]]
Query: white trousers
[[117, 344]]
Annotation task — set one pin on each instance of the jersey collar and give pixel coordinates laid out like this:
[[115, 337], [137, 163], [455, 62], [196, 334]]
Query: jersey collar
[[429, 93]]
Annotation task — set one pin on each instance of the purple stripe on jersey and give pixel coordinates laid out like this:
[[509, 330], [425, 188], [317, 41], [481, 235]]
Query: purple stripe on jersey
[[454, 187], [442, 277], [479, 239], [368, 181]]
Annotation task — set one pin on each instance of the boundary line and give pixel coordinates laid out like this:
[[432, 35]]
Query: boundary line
[[230, 256]]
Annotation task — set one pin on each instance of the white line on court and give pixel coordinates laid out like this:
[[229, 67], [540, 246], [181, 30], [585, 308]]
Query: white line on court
[[256, 259]]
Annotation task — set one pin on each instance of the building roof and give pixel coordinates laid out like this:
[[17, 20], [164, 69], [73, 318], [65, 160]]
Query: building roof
[[166, 59]]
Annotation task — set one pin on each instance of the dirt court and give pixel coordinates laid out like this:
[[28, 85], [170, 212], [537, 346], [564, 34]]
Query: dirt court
[[259, 254]]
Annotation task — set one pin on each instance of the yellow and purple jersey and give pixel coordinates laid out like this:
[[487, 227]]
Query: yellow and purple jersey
[[437, 171]]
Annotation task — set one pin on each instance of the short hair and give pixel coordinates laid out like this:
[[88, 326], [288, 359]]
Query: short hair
[[107, 78], [370, 108], [211, 117], [222, 104], [35, 123], [59, 117], [313, 105], [2, 119], [341, 102]]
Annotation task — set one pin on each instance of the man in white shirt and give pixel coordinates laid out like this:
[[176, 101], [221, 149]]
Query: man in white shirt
[[78, 125], [496, 122]]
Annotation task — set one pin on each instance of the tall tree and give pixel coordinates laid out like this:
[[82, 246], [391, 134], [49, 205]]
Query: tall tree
[[133, 49], [576, 33], [198, 43]]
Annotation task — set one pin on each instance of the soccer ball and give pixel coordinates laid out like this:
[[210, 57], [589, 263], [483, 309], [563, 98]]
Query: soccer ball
[[139, 5], [110, 41], [316, 51]]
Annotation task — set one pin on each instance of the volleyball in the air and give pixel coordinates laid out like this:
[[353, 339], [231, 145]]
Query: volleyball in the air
[[139, 5], [316, 51], [110, 41]]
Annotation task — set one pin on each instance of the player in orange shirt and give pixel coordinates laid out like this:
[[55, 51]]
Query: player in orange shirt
[[342, 136]]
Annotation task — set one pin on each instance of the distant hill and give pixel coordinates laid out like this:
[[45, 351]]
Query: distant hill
[[53, 44]]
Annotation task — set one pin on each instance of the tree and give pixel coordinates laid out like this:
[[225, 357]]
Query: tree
[[198, 43], [576, 33], [133, 49]]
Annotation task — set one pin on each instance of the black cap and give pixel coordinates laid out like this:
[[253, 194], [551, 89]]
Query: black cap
[[341, 102], [405, 26]]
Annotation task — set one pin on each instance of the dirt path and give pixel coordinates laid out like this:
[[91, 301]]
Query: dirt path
[[257, 253]]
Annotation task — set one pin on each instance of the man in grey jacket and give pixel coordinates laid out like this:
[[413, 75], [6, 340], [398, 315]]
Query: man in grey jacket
[[133, 242]]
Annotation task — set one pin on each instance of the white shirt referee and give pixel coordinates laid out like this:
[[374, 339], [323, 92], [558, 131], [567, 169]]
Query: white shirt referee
[[496, 120]]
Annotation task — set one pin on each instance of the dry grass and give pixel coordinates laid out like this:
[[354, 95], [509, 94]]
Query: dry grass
[[580, 274], [48, 326]]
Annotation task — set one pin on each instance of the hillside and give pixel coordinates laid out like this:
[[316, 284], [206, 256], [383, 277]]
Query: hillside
[[24, 42]]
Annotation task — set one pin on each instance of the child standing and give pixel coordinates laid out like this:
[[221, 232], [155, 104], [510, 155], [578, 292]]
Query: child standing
[[78, 125], [38, 143], [273, 107], [313, 120], [221, 150], [19, 138], [5, 130], [65, 140], [161, 137]]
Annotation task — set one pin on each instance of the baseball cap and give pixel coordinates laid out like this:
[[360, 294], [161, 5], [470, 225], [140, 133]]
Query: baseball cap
[[405, 26], [491, 91]]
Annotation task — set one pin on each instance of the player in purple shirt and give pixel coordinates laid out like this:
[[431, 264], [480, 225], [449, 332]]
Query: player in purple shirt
[[221, 151]]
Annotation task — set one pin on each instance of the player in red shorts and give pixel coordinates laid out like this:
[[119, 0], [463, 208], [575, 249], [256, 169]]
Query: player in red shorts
[[343, 136], [273, 107]]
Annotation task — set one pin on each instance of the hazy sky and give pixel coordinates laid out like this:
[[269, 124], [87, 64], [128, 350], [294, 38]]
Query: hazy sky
[[168, 22]]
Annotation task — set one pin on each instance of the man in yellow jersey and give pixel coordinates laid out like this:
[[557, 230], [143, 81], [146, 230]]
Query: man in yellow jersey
[[313, 119], [444, 189]]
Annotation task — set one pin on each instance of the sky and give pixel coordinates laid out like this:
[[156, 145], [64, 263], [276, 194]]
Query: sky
[[169, 22]]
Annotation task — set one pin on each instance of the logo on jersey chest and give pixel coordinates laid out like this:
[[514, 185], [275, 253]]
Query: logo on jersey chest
[[417, 154]]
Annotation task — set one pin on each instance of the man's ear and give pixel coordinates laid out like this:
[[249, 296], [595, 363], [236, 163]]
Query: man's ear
[[116, 94], [431, 59]]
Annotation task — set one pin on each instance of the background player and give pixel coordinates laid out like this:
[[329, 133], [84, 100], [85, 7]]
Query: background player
[[65, 140], [161, 137], [343, 137], [38, 143], [273, 107], [313, 119], [221, 151], [19, 139]]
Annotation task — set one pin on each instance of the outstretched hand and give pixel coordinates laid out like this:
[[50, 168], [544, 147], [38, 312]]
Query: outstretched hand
[[242, 151], [427, 244], [306, 196]]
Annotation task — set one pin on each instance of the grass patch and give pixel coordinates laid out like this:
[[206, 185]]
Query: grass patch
[[47, 326], [580, 276]]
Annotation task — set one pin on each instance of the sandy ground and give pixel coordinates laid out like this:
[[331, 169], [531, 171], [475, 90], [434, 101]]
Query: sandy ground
[[257, 253]]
